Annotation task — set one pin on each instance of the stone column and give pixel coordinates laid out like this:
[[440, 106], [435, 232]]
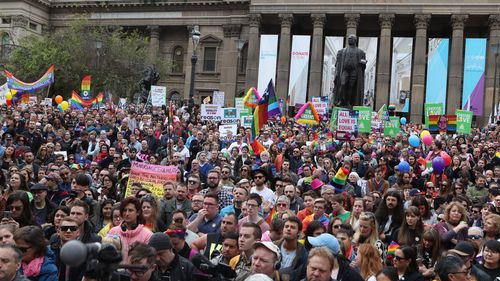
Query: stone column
[[384, 60], [187, 65], [315, 72], [229, 72], [421, 22], [284, 56], [456, 68], [154, 41], [253, 50], [493, 38], [351, 24]]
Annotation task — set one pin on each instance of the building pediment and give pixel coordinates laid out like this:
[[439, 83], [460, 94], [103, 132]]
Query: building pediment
[[135, 3], [210, 39]]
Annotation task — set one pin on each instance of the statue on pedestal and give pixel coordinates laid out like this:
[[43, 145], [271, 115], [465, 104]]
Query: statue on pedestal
[[350, 75]]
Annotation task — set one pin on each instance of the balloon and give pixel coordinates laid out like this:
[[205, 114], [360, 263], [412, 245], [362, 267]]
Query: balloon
[[403, 120], [58, 99], [414, 140], [424, 133], [64, 105], [283, 119], [446, 157], [427, 139], [404, 166], [8, 96], [8, 102], [438, 165]]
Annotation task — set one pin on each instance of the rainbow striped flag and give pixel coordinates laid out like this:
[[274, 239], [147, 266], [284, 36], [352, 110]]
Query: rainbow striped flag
[[273, 107], [86, 87], [391, 250], [443, 124], [251, 98], [44, 81]]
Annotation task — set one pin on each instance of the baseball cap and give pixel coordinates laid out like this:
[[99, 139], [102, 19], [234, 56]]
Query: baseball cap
[[464, 249], [270, 246], [54, 176], [325, 240], [39, 186]]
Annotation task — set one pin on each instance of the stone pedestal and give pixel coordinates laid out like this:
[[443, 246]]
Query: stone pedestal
[[418, 72], [284, 56], [384, 61], [456, 67], [493, 38], [315, 71], [253, 50]]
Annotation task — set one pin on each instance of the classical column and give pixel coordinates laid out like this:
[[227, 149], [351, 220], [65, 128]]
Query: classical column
[[456, 68], [229, 61], [493, 38], [351, 24], [253, 50], [384, 60], [154, 41], [188, 67], [284, 56], [421, 22], [315, 72]]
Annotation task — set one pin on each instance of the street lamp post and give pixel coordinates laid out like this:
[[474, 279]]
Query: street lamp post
[[496, 49], [195, 36], [239, 45], [98, 47]]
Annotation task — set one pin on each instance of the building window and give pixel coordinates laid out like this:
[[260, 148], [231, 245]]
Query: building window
[[209, 59], [5, 46], [33, 26], [5, 20], [5, 39], [178, 60], [243, 60]]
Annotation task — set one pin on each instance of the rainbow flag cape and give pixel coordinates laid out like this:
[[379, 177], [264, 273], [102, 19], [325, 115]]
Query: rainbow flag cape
[[44, 81], [86, 87], [251, 98], [273, 107]]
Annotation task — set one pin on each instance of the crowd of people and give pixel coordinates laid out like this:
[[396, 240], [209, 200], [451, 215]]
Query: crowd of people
[[307, 208]]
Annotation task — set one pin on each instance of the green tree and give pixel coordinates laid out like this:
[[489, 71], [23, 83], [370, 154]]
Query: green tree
[[116, 66]]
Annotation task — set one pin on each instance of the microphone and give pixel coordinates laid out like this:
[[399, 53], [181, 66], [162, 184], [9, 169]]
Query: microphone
[[206, 266], [74, 253]]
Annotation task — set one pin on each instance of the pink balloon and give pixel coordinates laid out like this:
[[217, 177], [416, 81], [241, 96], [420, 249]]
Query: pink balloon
[[427, 139]]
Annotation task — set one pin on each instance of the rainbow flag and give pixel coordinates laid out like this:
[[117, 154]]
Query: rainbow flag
[[260, 115], [273, 107], [97, 101], [391, 250], [44, 81], [443, 124], [25, 98], [433, 123], [251, 98], [383, 114], [78, 103], [86, 87]]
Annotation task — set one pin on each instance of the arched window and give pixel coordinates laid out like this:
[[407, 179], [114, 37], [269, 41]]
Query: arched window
[[5, 39], [178, 60], [243, 60], [4, 46]]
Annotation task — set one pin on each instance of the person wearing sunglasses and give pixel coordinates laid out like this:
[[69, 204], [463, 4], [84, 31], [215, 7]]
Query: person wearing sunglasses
[[36, 262], [68, 230], [452, 268], [405, 261]]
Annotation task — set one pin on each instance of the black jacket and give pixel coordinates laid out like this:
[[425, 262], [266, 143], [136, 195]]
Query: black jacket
[[180, 269]]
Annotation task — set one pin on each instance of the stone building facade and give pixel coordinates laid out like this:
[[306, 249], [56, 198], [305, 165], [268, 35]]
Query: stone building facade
[[221, 66]]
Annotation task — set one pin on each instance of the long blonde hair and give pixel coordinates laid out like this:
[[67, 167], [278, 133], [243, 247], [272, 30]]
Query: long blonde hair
[[370, 260], [373, 238]]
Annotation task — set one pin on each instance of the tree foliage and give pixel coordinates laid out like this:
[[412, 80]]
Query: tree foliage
[[116, 67]]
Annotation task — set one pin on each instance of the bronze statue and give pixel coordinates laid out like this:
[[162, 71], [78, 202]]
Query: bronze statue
[[149, 78], [350, 75]]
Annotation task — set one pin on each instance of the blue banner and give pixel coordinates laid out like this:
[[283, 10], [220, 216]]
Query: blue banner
[[474, 69], [437, 70]]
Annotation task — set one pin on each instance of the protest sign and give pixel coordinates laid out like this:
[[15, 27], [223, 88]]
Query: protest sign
[[333, 118], [391, 127], [307, 115], [210, 112], [321, 105], [218, 98], [376, 123], [242, 110], [32, 100], [464, 121], [246, 121], [158, 96], [432, 109], [47, 101], [4, 89], [347, 124], [442, 124], [364, 119], [229, 116], [122, 104], [151, 177], [224, 129]]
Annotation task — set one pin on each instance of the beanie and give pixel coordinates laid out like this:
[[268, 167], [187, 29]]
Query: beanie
[[160, 241], [341, 176]]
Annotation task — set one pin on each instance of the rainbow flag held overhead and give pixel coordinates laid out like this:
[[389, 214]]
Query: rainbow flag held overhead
[[44, 81], [251, 98], [260, 115], [78, 103], [85, 91]]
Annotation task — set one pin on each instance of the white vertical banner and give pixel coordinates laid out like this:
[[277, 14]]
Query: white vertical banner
[[299, 69], [268, 59]]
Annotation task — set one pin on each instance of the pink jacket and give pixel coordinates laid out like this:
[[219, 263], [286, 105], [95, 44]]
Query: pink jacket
[[129, 237]]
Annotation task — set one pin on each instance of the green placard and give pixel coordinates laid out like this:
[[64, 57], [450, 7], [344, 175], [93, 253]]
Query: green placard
[[364, 119], [432, 109], [391, 128], [464, 121], [242, 109], [333, 119]]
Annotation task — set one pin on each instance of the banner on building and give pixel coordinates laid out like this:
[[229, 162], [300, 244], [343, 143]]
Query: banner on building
[[391, 127], [299, 69], [211, 112], [432, 109], [402, 50], [158, 95], [364, 118], [437, 71], [151, 177], [474, 70], [464, 121], [268, 58]]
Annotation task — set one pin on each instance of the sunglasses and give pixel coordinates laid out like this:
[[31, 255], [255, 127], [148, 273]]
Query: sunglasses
[[17, 208], [474, 237], [281, 204], [65, 228], [24, 249], [258, 177], [398, 258], [179, 220]]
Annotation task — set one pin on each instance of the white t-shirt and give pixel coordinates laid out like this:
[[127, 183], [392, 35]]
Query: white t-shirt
[[266, 194]]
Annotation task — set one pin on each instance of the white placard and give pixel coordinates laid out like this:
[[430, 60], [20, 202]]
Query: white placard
[[229, 116], [345, 122], [63, 153], [158, 95], [218, 98], [224, 129], [3, 91], [246, 121], [320, 106], [211, 112], [47, 101], [33, 100]]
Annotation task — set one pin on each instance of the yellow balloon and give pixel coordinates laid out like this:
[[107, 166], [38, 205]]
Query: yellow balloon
[[8, 96], [64, 105], [424, 133]]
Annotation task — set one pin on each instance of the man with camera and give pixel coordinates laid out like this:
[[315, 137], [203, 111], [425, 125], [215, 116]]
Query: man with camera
[[171, 266]]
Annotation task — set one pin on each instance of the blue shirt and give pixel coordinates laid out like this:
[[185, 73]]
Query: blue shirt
[[210, 226]]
